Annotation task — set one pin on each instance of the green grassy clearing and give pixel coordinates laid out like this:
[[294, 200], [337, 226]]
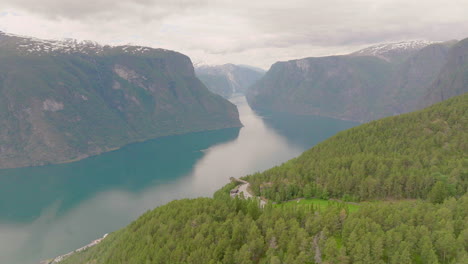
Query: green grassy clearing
[[320, 204]]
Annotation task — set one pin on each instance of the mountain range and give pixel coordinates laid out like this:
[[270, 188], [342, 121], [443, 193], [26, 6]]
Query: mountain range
[[393, 190], [372, 83], [228, 79], [66, 100]]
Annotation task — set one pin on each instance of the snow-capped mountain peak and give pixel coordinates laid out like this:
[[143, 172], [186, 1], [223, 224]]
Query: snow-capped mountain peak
[[404, 45], [389, 50], [32, 45]]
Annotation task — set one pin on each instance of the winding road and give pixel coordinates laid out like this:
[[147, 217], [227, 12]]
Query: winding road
[[244, 189]]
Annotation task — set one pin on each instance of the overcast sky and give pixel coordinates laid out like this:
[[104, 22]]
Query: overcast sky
[[254, 32]]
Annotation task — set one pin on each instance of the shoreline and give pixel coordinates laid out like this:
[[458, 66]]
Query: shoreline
[[90, 155], [64, 256]]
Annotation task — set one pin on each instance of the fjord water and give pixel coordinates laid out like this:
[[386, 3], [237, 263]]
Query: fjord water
[[50, 210]]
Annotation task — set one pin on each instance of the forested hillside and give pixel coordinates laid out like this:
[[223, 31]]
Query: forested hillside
[[422, 154], [63, 101], [418, 155], [223, 230]]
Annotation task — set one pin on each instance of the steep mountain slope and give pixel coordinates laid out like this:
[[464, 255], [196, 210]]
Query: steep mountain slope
[[369, 84], [66, 100], [228, 79], [329, 86], [416, 155], [453, 78], [412, 78]]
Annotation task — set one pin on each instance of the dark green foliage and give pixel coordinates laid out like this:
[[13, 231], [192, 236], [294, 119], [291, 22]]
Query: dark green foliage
[[422, 154], [226, 231], [417, 155]]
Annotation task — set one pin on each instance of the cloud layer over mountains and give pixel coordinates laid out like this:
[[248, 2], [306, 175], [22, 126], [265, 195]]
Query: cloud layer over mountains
[[252, 32]]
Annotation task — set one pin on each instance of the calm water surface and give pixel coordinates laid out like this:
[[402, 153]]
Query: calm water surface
[[48, 211]]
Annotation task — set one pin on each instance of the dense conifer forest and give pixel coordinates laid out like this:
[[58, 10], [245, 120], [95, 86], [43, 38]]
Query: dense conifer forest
[[417, 155], [407, 176], [223, 230]]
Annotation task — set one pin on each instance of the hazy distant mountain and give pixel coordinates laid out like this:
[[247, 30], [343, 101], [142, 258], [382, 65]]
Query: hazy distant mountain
[[229, 79], [453, 78], [412, 78], [66, 100], [379, 81], [336, 86], [257, 69]]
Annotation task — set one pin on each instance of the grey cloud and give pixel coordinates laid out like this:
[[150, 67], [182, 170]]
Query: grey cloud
[[94, 9], [224, 29], [280, 24], [350, 22]]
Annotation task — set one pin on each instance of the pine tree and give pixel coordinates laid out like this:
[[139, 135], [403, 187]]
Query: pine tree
[[428, 255], [438, 192], [331, 251]]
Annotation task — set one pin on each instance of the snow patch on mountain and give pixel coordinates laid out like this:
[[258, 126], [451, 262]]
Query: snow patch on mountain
[[387, 50], [52, 105], [32, 45]]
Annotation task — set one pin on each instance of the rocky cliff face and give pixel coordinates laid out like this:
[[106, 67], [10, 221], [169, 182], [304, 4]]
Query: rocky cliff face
[[329, 86], [66, 100], [376, 82], [228, 79], [453, 77], [412, 78]]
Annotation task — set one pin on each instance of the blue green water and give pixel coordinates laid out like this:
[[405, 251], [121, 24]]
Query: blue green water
[[51, 210]]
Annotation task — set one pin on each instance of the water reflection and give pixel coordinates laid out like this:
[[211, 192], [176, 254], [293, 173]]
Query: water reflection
[[25, 192], [302, 130], [72, 204]]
